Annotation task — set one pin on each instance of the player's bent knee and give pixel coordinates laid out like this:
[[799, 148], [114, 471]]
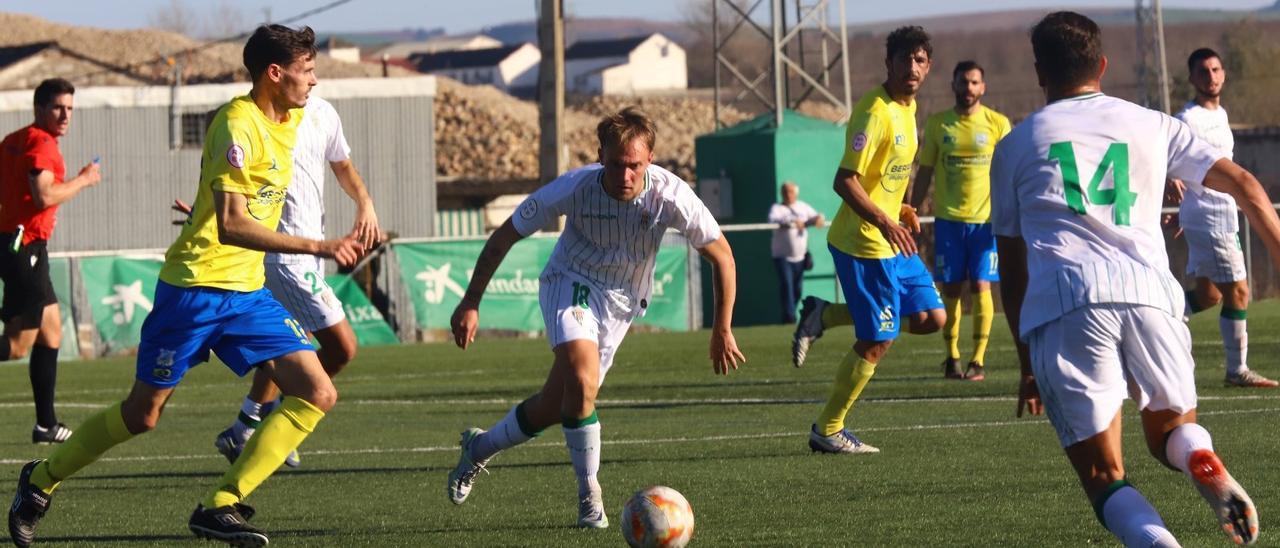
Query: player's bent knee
[[927, 322]]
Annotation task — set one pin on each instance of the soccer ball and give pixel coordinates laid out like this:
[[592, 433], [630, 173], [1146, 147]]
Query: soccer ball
[[657, 517]]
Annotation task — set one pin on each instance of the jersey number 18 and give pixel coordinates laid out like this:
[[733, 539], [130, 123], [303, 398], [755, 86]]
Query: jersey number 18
[[1115, 160]]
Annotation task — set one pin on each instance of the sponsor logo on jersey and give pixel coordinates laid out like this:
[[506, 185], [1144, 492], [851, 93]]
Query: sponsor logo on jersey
[[235, 156], [981, 139], [601, 216], [859, 141], [899, 140], [268, 200]]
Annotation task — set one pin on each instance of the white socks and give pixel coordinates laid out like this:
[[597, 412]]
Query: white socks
[[247, 422], [1131, 518], [503, 435], [584, 451], [1183, 441], [1235, 340]]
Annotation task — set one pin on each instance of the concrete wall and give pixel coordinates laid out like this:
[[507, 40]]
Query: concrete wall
[[388, 122]]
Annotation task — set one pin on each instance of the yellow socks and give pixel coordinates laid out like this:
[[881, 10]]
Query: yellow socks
[[835, 315], [98, 434], [984, 311], [281, 432], [851, 378], [951, 331]]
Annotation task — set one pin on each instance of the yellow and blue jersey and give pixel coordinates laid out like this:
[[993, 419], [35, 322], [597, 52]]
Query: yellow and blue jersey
[[244, 153], [959, 148], [880, 145]]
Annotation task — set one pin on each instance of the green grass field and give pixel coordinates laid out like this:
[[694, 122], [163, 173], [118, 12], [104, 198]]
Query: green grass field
[[957, 469]]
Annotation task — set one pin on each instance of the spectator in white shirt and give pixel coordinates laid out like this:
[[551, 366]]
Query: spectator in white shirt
[[790, 245]]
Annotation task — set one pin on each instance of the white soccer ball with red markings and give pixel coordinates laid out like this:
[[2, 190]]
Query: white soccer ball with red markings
[[657, 517]]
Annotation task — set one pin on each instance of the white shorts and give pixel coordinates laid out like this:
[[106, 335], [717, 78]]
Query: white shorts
[[303, 292], [1215, 255], [573, 309], [1088, 360]]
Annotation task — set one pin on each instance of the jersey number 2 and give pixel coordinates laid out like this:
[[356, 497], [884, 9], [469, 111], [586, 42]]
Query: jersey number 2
[[1115, 160]]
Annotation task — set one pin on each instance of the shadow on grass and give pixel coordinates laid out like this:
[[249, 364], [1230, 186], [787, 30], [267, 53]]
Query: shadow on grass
[[103, 539]]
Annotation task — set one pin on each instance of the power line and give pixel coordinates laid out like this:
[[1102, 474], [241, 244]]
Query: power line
[[207, 45]]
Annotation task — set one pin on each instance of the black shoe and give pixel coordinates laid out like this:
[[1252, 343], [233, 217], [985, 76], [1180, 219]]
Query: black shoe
[[951, 369], [58, 433], [29, 505], [808, 329], [227, 525]]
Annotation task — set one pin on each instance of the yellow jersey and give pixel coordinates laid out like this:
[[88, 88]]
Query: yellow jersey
[[959, 149], [244, 153], [880, 145]]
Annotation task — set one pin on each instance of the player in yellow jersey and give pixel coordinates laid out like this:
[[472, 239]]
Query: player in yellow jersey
[[211, 297], [958, 143], [883, 279]]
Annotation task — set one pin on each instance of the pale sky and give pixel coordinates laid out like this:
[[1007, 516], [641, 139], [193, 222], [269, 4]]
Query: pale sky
[[458, 16]]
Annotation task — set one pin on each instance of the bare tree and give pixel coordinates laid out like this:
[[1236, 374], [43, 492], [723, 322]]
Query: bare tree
[[175, 17]]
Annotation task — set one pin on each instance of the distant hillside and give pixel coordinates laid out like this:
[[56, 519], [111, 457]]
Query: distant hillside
[[590, 29], [1024, 19]]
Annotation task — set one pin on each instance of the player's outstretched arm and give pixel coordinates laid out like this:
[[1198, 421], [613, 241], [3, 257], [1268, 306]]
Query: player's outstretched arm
[[46, 193], [466, 317], [848, 187], [236, 227], [1227, 176], [724, 348], [366, 228], [1013, 288]]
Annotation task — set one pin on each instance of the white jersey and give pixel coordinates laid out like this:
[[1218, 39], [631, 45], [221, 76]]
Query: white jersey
[[1209, 210], [1081, 181], [789, 242], [320, 141], [613, 244]]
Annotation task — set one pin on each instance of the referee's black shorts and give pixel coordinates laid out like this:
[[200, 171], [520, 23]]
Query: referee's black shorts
[[27, 288]]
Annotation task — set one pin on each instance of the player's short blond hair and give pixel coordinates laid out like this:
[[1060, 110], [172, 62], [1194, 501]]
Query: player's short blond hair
[[625, 125]]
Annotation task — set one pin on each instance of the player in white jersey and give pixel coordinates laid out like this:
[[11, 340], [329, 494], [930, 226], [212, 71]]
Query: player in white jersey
[[297, 281], [1076, 195], [1209, 222], [597, 280]]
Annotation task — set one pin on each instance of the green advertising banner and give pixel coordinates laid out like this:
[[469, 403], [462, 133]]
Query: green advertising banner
[[436, 275], [60, 276], [119, 290], [669, 304], [370, 327]]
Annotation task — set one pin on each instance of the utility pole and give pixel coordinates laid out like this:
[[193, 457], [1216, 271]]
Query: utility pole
[[551, 152]]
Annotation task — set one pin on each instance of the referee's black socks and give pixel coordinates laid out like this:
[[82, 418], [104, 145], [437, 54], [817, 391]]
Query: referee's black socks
[[44, 376], [4, 349]]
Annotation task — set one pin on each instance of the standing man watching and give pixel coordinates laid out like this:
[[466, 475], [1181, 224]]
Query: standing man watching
[[790, 246], [958, 143], [31, 189], [1209, 221], [883, 279]]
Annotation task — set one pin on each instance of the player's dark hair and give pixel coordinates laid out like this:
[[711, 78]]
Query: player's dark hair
[[621, 127], [1199, 56], [1068, 48], [50, 89], [906, 40], [277, 45], [966, 66]]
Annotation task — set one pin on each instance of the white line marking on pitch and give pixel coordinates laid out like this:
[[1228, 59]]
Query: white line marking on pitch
[[699, 439]]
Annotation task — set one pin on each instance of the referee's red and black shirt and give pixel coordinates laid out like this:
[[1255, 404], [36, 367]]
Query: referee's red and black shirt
[[24, 151]]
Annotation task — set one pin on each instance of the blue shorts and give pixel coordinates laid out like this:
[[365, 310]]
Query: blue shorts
[[881, 291], [964, 251], [185, 323]]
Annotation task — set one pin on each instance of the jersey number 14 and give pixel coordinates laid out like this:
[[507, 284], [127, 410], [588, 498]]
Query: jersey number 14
[[1115, 160]]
